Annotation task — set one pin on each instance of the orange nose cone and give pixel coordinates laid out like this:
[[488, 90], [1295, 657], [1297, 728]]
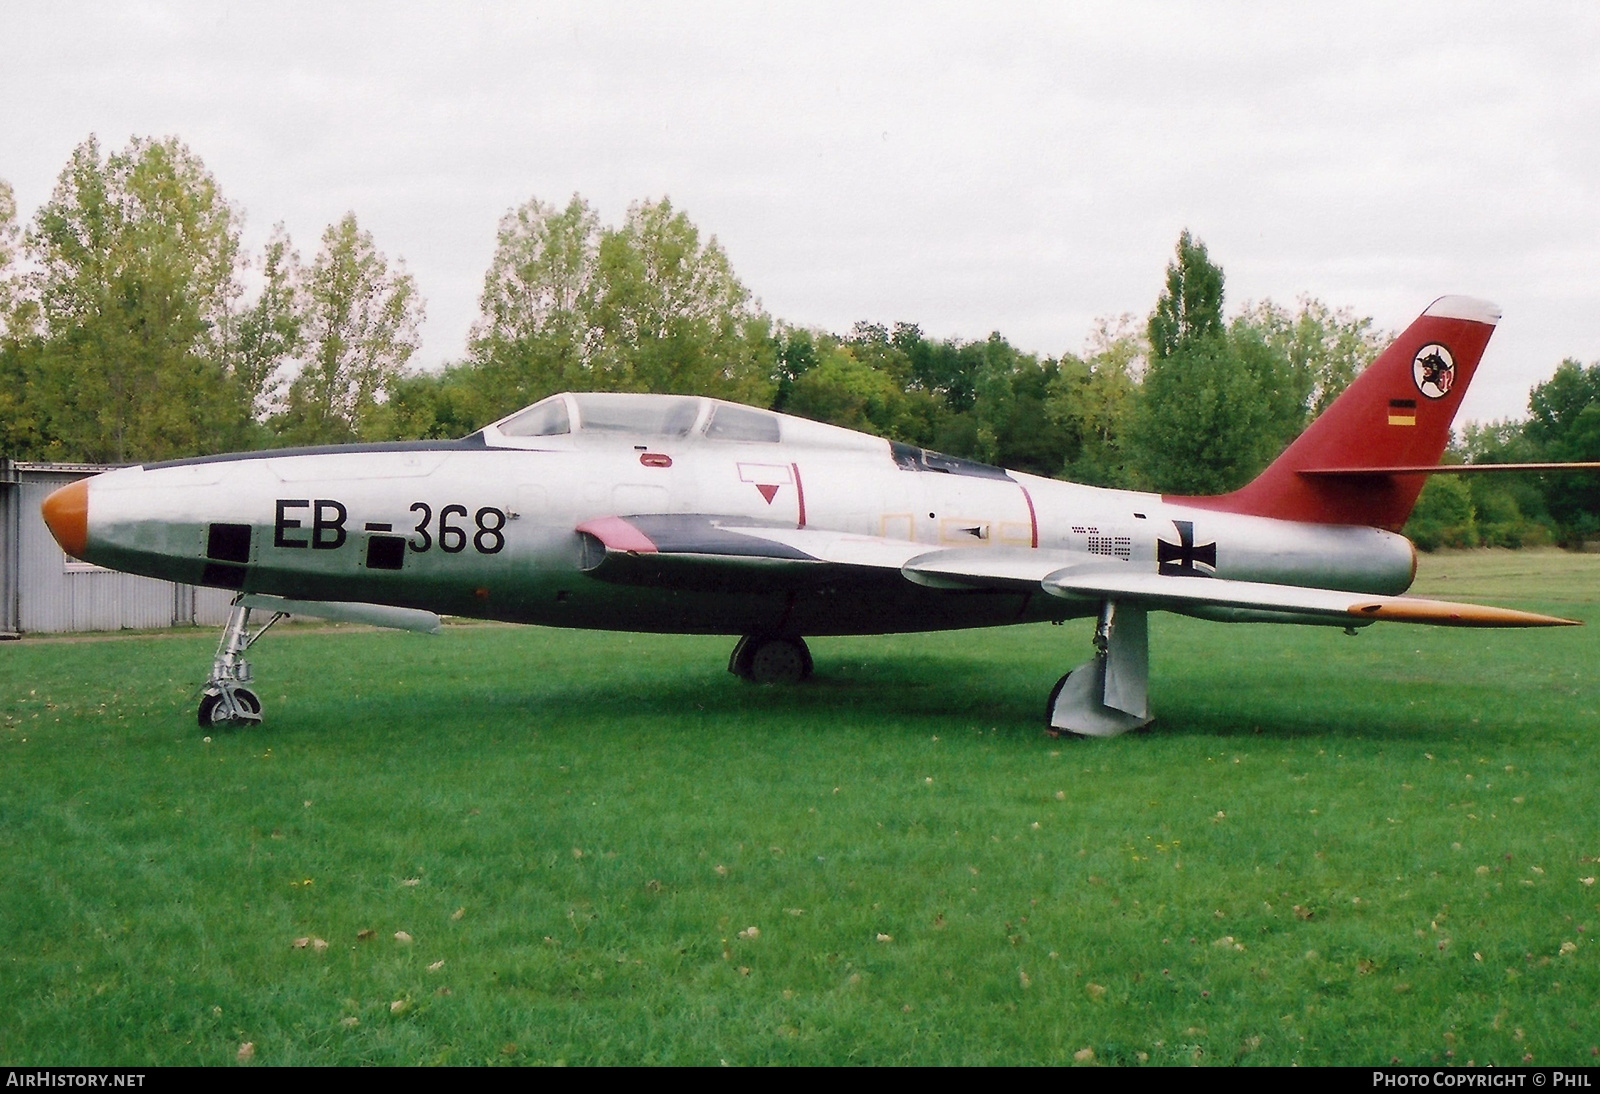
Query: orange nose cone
[[67, 513]]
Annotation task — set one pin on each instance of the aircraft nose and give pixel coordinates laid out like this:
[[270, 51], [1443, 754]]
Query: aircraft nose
[[66, 512]]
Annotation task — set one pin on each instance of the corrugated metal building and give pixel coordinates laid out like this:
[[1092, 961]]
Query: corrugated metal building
[[43, 590]]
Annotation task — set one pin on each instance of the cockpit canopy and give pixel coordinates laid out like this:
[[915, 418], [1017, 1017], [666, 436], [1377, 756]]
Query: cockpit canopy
[[642, 416], [690, 418]]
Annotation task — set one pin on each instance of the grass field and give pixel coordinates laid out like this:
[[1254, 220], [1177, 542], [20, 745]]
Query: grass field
[[605, 849]]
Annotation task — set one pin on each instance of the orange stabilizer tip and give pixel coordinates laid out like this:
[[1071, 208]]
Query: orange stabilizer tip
[[67, 513]]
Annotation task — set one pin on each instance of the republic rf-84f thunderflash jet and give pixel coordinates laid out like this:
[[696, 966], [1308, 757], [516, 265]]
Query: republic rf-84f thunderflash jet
[[679, 514]]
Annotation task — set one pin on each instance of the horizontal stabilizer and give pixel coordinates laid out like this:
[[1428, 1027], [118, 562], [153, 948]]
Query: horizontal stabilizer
[[1448, 469], [374, 615], [1185, 593]]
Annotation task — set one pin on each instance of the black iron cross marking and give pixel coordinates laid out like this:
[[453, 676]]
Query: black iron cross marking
[[1179, 559]]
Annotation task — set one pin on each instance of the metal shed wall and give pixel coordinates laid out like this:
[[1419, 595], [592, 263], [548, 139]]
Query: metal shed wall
[[45, 591]]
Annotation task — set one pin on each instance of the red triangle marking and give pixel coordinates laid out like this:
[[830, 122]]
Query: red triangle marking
[[768, 490]]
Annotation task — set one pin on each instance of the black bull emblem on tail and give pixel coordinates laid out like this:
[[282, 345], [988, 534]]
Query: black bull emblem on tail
[[1436, 371]]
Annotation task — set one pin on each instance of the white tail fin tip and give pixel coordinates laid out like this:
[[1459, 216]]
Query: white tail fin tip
[[1464, 307]]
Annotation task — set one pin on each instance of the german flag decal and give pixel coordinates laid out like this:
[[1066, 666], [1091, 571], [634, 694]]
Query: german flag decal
[[1402, 412]]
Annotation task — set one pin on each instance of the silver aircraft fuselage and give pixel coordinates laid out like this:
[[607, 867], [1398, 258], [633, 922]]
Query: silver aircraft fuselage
[[681, 514], [492, 526]]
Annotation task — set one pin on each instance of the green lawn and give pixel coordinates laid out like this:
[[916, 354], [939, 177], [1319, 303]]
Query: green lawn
[[1326, 850]]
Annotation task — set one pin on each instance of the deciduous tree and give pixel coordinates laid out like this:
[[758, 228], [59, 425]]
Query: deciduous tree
[[137, 256], [268, 334], [1324, 348], [1202, 407], [649, 306], [671, 316], [1093, 399], [10, 241], [361, 321], [844, 390], [1220, 401], [20, 427], [533, 336], [1564, 427], [1444, 515], [1190, 307], [1199, 421]]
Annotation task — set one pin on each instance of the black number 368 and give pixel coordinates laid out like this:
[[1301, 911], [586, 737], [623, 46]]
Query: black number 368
[[488, 539]]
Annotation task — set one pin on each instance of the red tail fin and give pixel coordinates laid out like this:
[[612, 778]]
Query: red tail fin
[[1397, 413]]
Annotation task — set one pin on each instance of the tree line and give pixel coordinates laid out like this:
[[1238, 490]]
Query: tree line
[[133, 326], [128, 335]]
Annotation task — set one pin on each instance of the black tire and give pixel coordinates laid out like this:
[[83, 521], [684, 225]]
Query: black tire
[[249, 700], [212, 709], [779, 661], [739, 659], [1055, 693], [210, 705], [1050, 709], [805, 654]]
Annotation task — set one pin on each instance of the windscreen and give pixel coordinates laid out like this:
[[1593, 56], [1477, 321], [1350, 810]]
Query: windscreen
[[543, 419]]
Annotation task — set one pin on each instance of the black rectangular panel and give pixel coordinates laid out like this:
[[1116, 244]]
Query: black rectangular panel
[[229, 543], [386, 552]]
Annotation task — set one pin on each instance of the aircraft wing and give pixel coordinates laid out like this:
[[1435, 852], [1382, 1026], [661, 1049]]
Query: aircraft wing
[[734, 554], [1187, 593]]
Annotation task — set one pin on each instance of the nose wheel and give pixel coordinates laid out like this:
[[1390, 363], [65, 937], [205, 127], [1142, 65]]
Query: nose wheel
[[225, 702], [230, 708], [770, 659]]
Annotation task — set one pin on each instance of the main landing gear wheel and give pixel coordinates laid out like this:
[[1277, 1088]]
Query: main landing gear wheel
[[1050, 707], [1108, 695], [769, 659]]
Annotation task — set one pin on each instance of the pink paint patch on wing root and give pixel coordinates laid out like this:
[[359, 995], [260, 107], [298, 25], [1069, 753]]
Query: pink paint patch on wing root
[[618, 535]]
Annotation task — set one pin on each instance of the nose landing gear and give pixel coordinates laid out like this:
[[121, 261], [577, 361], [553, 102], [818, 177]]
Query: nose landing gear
[[225, 702]]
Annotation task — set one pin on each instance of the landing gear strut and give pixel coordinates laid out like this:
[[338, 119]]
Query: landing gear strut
[[770, 659], [225, 702], [1108, 695]]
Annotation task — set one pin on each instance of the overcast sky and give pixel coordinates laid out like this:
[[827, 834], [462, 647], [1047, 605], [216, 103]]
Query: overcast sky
[[1017, 168]]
